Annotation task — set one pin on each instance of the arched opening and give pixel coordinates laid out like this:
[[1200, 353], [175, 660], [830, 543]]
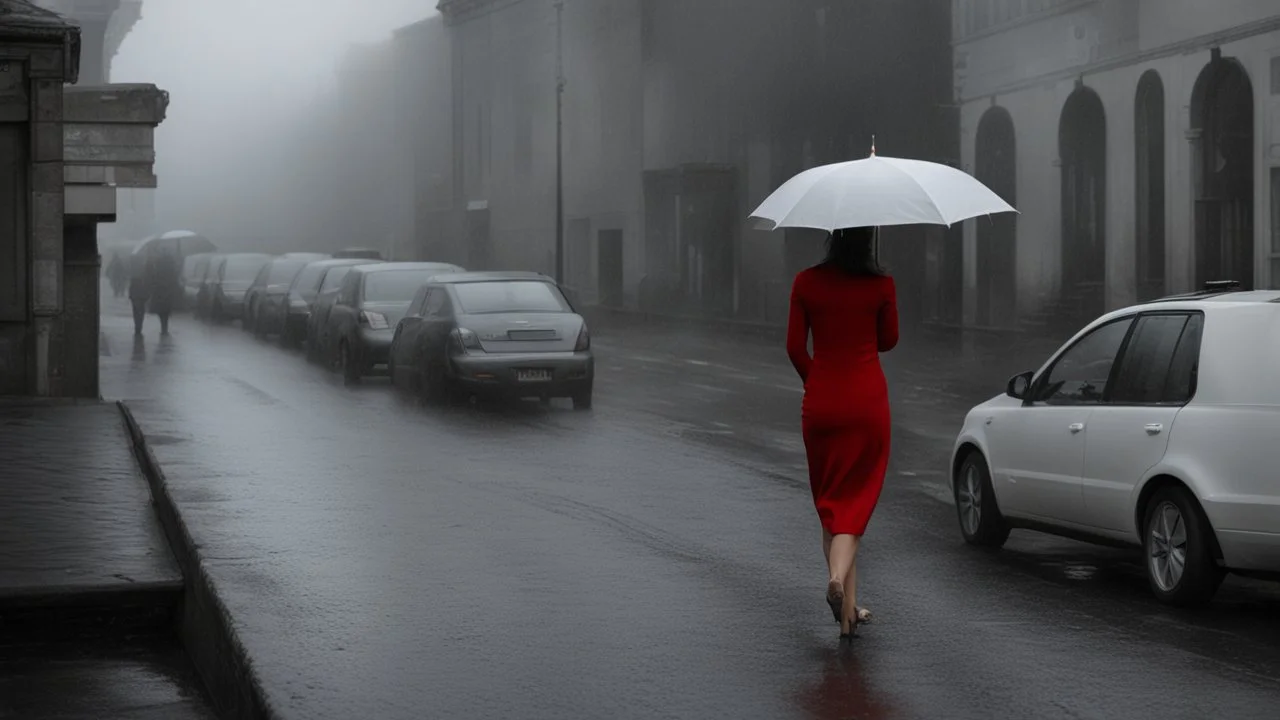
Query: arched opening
[[1149, 186], [1222, 132], [1082, 148], [996, 167]]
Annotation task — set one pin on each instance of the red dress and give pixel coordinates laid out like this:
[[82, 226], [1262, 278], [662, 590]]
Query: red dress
[[845, 415]]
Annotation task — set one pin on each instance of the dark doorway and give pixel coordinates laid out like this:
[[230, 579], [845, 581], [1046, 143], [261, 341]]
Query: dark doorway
[[690, 244], [577, 273], [479, 251], [610, 260], [944, 273], [1082, 148], [1149, 186], [15, 370], [996, 167], [1222, 127]]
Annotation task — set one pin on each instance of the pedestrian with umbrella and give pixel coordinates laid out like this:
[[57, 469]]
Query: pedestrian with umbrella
[[153, 285], [849, 305]]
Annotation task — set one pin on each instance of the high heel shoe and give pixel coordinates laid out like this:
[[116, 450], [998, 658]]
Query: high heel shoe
[[861, 616]]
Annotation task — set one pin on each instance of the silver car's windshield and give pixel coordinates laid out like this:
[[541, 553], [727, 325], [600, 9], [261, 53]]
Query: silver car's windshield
[[395, 285], [243, 268], [284, 271], [510, 296]]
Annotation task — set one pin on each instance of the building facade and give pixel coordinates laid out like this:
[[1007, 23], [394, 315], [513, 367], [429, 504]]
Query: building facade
[[502, 99], [679, 116], [423, 131], [66, 146], [1140, 141]]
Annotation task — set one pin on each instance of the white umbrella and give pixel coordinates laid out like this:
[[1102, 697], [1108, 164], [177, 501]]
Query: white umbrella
[[877, 191]]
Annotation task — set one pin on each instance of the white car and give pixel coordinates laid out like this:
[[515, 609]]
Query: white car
[[1156, 426]]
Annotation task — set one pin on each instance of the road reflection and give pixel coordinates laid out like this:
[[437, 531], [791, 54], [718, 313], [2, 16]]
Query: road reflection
[[844, 691]]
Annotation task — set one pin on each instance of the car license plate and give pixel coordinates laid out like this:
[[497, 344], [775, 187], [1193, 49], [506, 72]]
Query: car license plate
[[533, 375]]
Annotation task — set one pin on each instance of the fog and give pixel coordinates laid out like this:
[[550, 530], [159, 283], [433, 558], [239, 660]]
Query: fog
[[245, 79]]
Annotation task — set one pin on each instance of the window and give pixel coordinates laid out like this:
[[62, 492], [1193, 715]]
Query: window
[[1185, 368], [1080, 374], [1145, 370], [333, 278], [417, 306], [510, 296], [395, 286], [284, 271], [347, 296], [436, 302], [244, 267], [1275, 227], [982, 21], [309, 279]]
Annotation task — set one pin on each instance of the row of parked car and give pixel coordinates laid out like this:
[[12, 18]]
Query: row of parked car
[[440, 332]]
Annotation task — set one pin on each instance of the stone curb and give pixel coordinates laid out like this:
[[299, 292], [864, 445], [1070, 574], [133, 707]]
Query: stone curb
[[204, 623]]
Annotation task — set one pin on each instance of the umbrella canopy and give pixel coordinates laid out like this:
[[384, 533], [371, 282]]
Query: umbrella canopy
[[874, 192], [178, 242]]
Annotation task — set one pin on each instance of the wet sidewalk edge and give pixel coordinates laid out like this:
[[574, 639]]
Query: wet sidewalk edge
[[204, 623]]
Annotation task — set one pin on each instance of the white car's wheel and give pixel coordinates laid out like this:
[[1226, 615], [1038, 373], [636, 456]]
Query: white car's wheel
[[1177, 541], [981, 523]]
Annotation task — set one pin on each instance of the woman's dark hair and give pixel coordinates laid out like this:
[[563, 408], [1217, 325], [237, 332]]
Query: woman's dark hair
[[853, 251]]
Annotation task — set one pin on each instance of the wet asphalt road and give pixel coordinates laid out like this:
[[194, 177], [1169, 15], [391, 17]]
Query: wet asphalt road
[[656, 557]]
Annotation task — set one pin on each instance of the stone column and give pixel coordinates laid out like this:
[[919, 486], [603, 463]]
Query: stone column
[[46, 228]]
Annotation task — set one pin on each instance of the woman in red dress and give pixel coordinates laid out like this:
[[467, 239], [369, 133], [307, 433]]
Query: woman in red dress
[[850, 305]]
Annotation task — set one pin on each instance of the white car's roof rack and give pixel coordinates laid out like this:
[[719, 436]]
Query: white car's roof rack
[[1211, 288]]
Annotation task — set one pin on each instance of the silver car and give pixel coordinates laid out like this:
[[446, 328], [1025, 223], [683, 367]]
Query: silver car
[[511, 334]]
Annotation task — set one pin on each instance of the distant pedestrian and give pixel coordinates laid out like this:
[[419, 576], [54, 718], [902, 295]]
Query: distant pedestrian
[[850, 305], [117, 275], [139, 289]]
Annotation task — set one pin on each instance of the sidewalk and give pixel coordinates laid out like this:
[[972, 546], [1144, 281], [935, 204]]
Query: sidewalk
[[89, 589]]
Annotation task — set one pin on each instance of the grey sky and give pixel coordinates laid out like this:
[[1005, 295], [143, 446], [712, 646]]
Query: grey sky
[[239, 73]]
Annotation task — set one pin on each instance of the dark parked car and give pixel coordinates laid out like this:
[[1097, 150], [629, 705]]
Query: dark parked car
[[371, 301], [357, 253], [502, 334], [294, 306], [272, 284], [316, 344], [221, 298]]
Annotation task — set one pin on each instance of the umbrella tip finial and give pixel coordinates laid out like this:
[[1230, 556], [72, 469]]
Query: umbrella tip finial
[[873, 145]]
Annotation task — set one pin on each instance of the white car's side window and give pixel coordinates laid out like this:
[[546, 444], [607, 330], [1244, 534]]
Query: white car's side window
[[1081, 373], [1159, 361]]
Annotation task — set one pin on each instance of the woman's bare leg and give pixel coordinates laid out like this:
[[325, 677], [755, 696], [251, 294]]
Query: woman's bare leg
[[840, 559], [826, 545], [851, 584]]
